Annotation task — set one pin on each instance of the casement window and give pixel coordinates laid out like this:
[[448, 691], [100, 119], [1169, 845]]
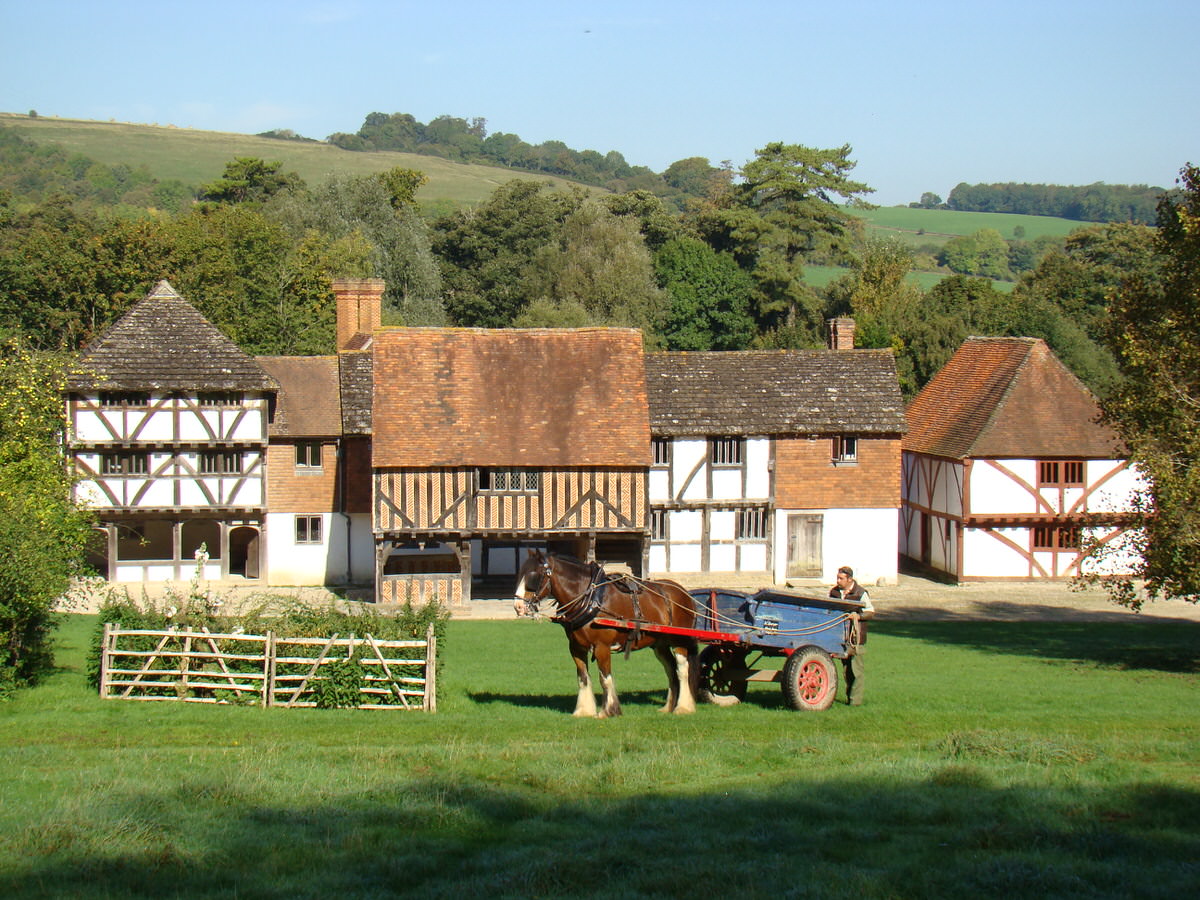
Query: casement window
[[124, 463], [1060, 473], [221, 462], [112, 399], [510, 480], [1056, 537], [845, 448], [726, 451], [308, 529], [661, 448], [658, 524], [308, 455], [751, 524], [221, 398]]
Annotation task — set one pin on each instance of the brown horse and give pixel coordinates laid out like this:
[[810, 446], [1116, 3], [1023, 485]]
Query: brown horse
[[582, 592]]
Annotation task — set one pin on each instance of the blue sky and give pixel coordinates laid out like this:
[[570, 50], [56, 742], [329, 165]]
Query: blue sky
[[927, 94]]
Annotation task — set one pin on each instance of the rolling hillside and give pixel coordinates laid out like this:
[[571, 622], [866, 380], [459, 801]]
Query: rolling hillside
[[196, 157]]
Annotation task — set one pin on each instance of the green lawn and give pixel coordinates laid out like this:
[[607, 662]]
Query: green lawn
[[991, 759]]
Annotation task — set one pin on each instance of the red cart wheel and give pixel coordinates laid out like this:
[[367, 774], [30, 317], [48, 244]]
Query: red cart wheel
[[810, 679]]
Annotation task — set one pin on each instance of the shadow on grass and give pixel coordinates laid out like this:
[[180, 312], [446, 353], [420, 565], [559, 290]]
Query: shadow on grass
[[952, 834], [1164, 646]]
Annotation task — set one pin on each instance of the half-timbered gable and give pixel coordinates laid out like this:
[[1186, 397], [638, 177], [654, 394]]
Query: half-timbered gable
[[784, 463], [167, 430], [484, 440], [1005, 466]]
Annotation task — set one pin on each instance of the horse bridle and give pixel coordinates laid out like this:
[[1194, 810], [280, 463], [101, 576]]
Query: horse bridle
[[543, 590]]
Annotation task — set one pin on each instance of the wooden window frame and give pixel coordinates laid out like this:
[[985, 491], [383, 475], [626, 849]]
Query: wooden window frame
[[124, 463], [306, 452], [726, 452], [844, 450], [218, 399], [752, 524], [1056, 538], [309, 530], [1061, 473], [509, 480], [126, 399], [222, 462], [660, 452], [658, 524]]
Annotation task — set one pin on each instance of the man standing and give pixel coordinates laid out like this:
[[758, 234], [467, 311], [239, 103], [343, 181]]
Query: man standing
[[849, 589]]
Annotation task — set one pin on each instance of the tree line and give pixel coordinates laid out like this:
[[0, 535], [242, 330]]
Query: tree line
[[1097, 202]]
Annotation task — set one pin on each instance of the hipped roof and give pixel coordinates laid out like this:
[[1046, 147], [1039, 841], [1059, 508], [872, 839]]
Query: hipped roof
[[1007, 398], [309, 401], [774, 392], [510, 397], [162, 343]]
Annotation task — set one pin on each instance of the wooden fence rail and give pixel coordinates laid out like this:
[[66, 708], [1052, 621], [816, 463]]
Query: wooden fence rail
[[264, 670]]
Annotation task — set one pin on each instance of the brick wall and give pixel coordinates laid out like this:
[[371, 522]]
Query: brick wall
[[805, 477], [291, 489]]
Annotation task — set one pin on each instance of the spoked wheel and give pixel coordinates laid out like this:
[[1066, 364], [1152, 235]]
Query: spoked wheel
[[810, 679], [723, 672]]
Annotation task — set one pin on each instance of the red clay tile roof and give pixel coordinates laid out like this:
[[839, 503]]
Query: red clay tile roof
[[774, 392], [1007, 398], [309, 403], [163, 343], [509, 397]]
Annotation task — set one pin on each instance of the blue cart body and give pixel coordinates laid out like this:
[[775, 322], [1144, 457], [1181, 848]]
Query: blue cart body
[[774, 621]]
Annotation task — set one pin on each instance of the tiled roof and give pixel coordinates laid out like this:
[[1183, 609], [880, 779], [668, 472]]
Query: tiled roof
[[355, 372], [308, 404], [1007, 398], [774, 392], [163, 343], [510, 397]]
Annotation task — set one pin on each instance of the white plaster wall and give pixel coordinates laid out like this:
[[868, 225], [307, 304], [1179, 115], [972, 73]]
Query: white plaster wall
[[660, 485], [754, 557], [995, 492], [1116, 494], [686, 453], [658, 558], [727, 483], [867, 540], [986, 557], [685, 558], [290, 563], [758, 468], [722, 525], [684, 525], [722, 558]]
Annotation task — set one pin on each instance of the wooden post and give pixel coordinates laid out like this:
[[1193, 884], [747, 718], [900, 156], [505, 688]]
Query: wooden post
[[430, 703], [104, 659], [268, 694]]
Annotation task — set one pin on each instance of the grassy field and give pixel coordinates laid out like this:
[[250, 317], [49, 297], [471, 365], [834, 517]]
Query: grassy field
[[1015, 759], [196, 157], [936, 226]]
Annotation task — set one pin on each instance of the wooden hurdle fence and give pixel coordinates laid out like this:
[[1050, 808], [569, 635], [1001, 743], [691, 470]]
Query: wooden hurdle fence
[[199, 666]]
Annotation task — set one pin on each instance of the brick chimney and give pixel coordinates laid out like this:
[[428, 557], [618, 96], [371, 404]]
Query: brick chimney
[[841, 333], [359, 307]]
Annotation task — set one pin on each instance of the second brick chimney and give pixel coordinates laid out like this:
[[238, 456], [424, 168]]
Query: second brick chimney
[[359, 307], [841, 333]]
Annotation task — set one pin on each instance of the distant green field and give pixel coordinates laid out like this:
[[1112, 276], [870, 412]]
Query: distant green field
[[936, 226], [821, 276], [196, 157]]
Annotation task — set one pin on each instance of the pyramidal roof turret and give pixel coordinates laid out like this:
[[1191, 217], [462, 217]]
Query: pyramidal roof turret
[[162, 343]]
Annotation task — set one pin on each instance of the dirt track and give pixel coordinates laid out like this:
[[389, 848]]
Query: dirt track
[[913, 598]]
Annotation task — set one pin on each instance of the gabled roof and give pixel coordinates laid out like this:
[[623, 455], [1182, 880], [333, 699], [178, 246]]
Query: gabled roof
[[309, 402], [774, 392], [163, 343], [1007, 398], [509, 397]]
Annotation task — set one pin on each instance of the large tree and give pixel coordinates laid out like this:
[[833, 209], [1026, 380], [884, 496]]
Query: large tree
[[42, 532], [788, 208], [1155, 334]]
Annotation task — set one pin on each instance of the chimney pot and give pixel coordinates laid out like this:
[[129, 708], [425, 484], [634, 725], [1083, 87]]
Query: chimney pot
[[841, 333]]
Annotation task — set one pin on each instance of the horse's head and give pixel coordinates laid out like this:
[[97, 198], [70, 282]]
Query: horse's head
[[533, 583]]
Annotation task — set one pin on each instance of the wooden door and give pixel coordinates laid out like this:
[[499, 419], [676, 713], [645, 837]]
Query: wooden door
[[805, 533]]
